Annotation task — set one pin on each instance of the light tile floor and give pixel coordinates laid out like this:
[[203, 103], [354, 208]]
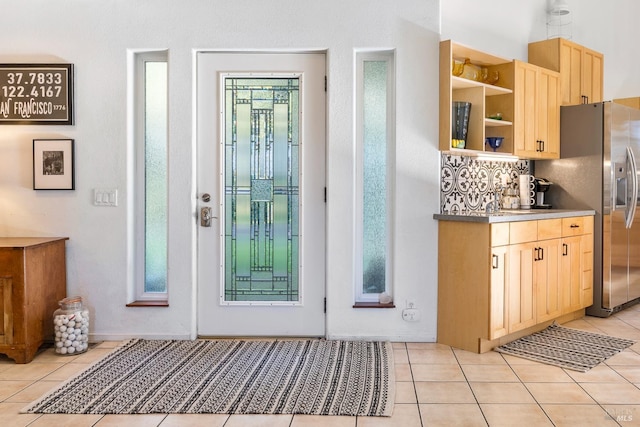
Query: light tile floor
[[435, 385]]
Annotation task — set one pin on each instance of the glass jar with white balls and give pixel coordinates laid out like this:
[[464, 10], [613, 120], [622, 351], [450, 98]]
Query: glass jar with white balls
[[71, 327]]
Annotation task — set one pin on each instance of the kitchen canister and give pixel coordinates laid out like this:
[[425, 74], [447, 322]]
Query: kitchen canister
[[71, 327], [527, 187]]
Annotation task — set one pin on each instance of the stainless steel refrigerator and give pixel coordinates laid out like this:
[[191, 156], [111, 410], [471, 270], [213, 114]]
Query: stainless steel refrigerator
[[598, 169]]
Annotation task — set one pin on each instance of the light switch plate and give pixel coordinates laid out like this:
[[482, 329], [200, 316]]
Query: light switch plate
[[105, 197]]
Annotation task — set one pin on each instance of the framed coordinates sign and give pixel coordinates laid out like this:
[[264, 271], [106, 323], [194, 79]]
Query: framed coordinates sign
[[36, 94]]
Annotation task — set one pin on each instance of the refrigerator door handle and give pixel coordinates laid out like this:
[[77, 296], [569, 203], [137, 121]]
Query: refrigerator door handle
[[632, 199]]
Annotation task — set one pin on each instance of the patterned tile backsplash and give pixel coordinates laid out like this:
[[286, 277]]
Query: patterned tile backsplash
[[468, 184]]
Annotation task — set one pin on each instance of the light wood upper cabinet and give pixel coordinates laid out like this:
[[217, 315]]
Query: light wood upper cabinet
[[592, 75], [536, 122], [629, 102], [581, 69], [548, 114], [528, 97], [525, 104]]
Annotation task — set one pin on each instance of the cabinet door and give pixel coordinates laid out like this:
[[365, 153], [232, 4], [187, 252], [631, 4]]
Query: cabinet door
[[498, 318], [548, 114], [521, 290], [525, 104], [536, 127], [633, 102], [547, 280], [592, 75], [571, 69], [6, 312], [571, 274]]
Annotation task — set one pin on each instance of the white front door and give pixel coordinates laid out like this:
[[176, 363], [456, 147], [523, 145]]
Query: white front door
[[261, 161]]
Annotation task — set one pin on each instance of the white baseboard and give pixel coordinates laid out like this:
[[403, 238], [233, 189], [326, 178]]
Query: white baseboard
[[123, 337], [394, 338]]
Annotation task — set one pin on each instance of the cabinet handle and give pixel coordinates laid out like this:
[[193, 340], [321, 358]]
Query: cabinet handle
[[574, 226], [494, 261], [542, 146], [585, 99], [536, 257], [565, 250]]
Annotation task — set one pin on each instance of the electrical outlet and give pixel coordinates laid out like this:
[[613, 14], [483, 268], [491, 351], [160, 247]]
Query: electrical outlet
[[410, 315]]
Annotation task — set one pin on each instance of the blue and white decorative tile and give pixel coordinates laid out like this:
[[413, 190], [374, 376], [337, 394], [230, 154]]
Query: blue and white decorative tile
[[468, 184]]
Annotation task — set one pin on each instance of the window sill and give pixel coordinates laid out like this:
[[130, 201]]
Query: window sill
[[373, 305], [159, 303]]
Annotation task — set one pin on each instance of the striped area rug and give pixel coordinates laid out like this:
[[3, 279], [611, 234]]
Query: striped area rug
[[565, 347], [232, 377]]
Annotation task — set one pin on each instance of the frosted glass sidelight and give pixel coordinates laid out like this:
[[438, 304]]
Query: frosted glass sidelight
[[261, 187], [374, 177], [155, 153]]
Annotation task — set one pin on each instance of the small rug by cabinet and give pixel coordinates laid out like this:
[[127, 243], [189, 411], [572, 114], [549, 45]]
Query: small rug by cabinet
[[566, 347], [232, 377]]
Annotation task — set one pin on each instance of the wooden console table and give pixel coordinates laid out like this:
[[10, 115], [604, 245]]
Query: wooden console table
[[33, 279]]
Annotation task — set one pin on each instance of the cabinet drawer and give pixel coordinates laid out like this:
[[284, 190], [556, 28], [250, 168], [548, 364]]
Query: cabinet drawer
[[577, 225], [523, 231], [500, 234], [549, 229]]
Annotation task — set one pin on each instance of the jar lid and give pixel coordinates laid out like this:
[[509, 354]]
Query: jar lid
[[71, 300]]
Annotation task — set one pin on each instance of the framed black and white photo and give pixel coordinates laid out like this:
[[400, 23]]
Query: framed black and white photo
[[53, 164]]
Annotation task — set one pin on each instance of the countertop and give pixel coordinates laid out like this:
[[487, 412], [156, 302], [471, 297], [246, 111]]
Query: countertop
[[507, 215], [25, 242]]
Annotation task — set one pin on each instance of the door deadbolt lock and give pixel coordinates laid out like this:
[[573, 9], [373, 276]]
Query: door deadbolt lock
[[206, 197], [205, 217]]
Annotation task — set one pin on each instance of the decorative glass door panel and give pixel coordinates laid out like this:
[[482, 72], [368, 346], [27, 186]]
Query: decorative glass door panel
[[261, 190]]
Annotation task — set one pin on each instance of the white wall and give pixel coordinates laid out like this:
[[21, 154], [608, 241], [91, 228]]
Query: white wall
[[95, 37], [506, 27]]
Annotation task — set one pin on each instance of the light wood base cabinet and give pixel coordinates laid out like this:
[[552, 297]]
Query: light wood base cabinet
[[496, 281], [32, 281], [473, 265], [577, 263]]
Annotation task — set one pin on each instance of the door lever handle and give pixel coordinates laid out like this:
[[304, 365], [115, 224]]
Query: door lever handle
[[205, 216]]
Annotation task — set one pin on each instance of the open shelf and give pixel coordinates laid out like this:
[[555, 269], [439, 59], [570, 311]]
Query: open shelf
[[496, 123], [489, 90], [485, 99]]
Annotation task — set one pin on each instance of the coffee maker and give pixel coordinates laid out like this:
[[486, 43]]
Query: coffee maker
[[542, 186]]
